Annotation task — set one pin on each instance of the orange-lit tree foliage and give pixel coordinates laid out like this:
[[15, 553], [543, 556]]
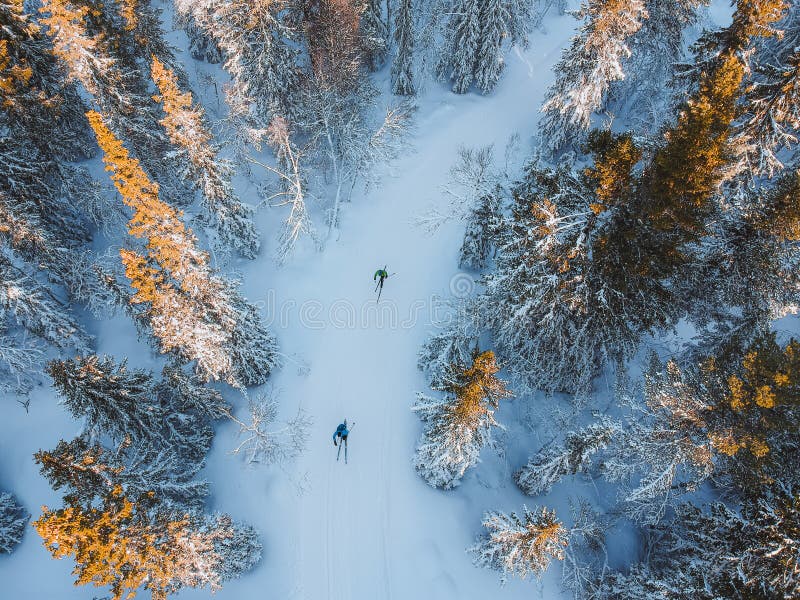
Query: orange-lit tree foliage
[[187, 304], [129, 545], [185, 126], [459, 425]]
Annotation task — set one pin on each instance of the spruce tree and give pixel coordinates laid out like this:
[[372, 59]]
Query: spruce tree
[[656, 50], [375, 34], [128, 545], [105, 55], [13, 522], [129, 405], [520, 545], [549, 465], [502, 21], [259, 47], [191, 309], [587, 68], [402, 65], [185, 126], [457, 63], [459, 425]]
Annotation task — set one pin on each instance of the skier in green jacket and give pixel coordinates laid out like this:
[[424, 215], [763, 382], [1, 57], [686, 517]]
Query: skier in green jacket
[[383, 274]]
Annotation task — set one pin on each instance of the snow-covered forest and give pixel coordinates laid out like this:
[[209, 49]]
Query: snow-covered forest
[[538, 257]]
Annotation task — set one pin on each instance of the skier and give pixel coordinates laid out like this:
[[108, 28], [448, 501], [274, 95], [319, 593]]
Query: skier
[[383, 274], [341, 432]]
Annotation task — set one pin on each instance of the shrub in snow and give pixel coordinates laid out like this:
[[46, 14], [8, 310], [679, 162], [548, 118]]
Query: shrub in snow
[[520, 545], [13, 519], [458, 426], [573, 456]]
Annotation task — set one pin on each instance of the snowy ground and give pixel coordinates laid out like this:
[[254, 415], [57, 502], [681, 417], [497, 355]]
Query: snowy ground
[[370, 529]]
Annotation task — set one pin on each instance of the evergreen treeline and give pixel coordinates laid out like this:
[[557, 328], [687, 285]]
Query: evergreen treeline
[[689, 217]]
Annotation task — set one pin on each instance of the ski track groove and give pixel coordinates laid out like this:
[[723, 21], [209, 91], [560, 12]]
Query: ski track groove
[[384, 466]]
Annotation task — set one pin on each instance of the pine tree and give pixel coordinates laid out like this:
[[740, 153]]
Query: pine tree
[[754, 398], [548, 466], [260, 52], [719, 552], [87, 469], [35, 97], [501, 21], [476, 33], [185, 126], [663, 449], [587, 68], [457, 62], [564, 298], [655, 51], [252, 348], [772, 121], [402, 65], [374, 32], [129, 545], [201, 45], [520, 546], [104, 54], [482, 230], [13, 521], [237, 546], [129, 405], [459, 425], [37, 310], [188, 306]]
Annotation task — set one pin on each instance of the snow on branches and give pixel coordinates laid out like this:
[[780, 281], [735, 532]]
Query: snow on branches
[[459, 425], [13, 521], [548, 466], [520, 545]]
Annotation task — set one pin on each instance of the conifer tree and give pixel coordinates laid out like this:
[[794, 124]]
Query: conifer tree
[[201, 45], [375, 34], [754, 399], [184, 123], [459, 425], [481, 232], [37, 310], [129, 404], [457, 63], [520, 545], [191, 310], [663, 449], [719, 552], [476, 32], [562, 300], [259, 47], [128, 545], [502, 21], [13, 520], [549, 465], [402, 65], [772, 120], [105, 55], [87, 469], [655, 51], [587, 68], [37, 101]]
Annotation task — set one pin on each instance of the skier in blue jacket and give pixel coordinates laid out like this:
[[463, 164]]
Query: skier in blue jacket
[[341, 432]]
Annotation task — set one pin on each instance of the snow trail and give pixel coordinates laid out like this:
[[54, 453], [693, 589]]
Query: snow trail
[[373, 529]]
